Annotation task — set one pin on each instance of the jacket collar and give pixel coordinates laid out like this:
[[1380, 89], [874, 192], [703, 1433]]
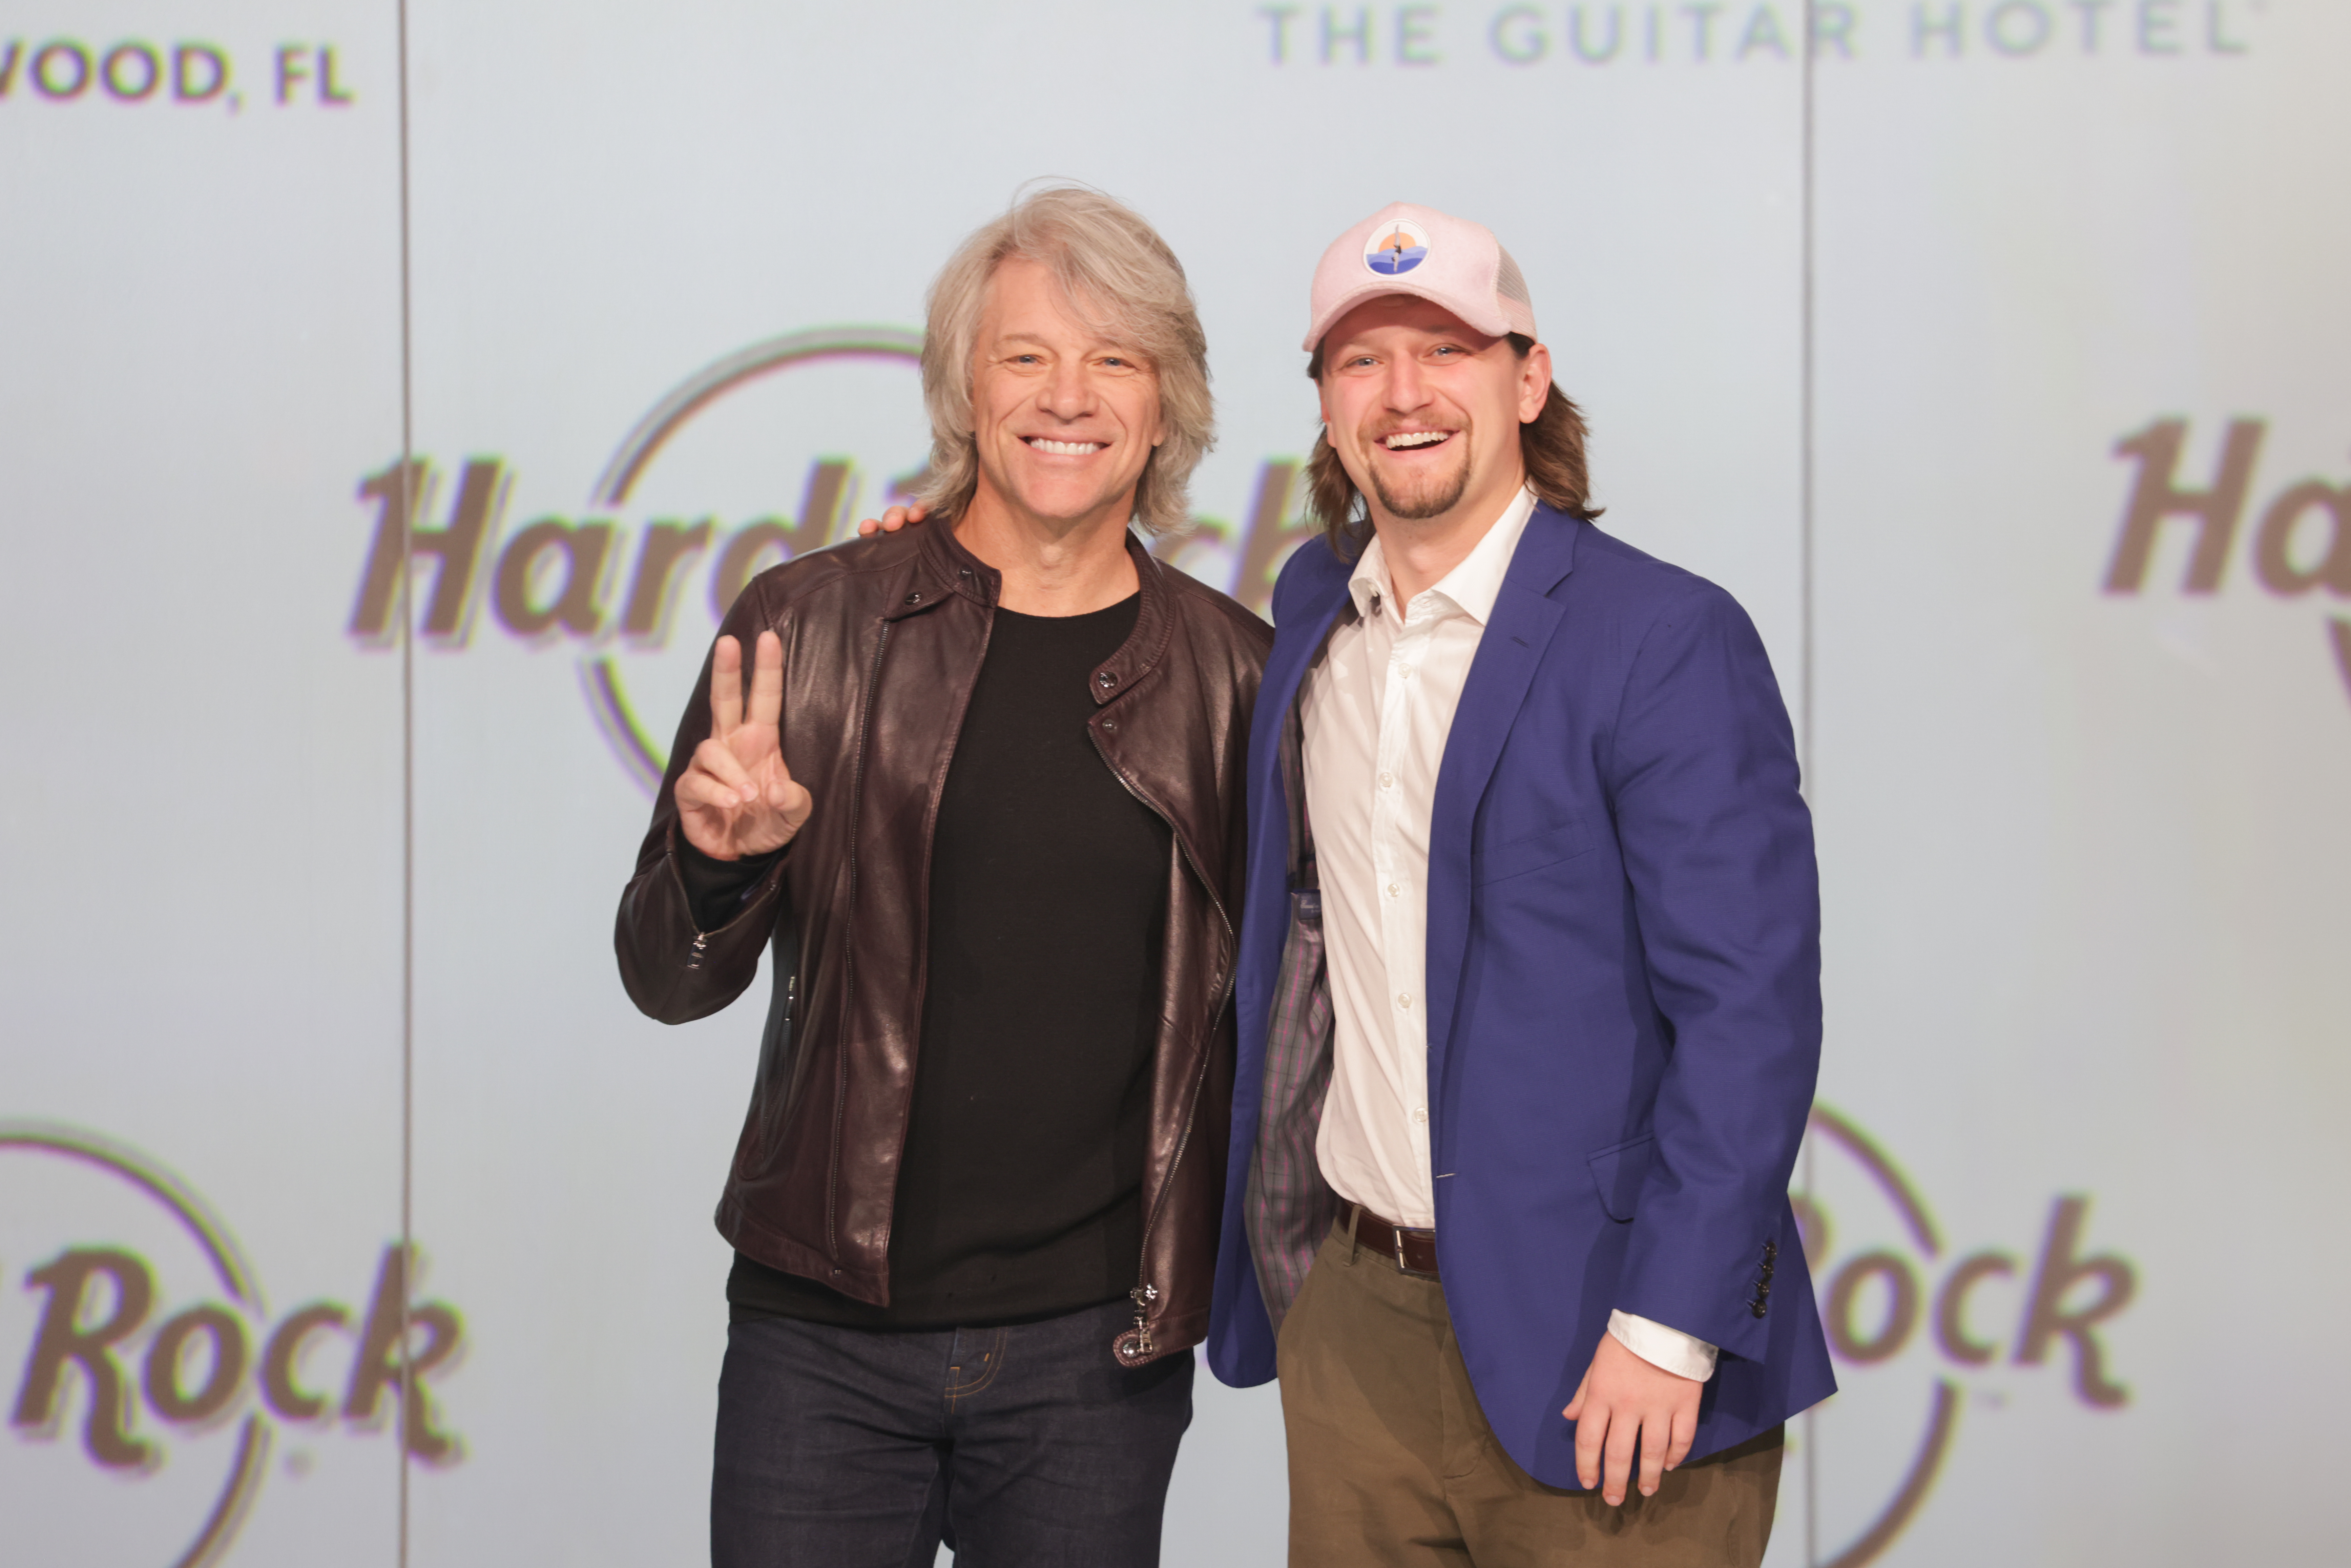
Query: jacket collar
[[1473, 584], [1154, 621], [944, 567], [1546, 551], [1544, 556]]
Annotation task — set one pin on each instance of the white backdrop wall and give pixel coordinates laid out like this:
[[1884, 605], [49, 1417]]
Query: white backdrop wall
[[1992, 356]]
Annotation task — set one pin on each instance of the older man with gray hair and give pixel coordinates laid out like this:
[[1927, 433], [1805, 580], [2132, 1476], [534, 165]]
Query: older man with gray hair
[[981, 805]]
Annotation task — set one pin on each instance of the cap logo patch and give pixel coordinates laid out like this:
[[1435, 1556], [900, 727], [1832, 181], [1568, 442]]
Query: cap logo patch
[[1396, 248]]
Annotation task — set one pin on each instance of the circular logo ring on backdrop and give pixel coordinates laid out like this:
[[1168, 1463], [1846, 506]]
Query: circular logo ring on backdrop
[[1942, 1418], [236, 1277], [647, 759]]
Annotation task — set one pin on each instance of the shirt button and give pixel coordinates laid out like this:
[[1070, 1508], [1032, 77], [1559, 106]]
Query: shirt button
[[1387, 781], [1407, 671], [1404, 1000], [1420, 1115], [1394, 890]]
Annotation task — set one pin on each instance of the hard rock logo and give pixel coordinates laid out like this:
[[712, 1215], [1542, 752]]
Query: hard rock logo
[[610, 582], [153, 1354], [2299, 550], [1924, 1328]]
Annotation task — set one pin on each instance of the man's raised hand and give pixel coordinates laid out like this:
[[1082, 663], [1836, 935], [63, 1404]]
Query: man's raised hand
[[735, 797]]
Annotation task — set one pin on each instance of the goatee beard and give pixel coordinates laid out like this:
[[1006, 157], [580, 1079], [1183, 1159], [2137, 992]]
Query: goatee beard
[[1432, 503]]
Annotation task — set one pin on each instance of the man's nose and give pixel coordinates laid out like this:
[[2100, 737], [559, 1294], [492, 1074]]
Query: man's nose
[[1069, 392], [1406, 389]]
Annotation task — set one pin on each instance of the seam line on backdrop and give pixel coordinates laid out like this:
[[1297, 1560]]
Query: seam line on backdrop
[[1805, 434], [1804, 736], [408, 500]]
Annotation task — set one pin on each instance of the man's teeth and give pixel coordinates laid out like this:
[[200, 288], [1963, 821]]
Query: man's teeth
[[1405, 439], [1065, 448]]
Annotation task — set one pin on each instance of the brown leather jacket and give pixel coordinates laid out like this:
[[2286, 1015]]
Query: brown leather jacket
[[882, 640]]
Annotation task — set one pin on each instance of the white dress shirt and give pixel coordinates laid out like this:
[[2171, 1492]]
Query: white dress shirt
[[1376, 713]]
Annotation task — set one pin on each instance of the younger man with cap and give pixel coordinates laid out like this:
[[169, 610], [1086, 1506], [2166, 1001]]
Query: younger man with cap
[[1529, 985]]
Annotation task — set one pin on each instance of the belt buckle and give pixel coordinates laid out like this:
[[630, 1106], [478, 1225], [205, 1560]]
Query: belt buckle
[[1396, 1237]]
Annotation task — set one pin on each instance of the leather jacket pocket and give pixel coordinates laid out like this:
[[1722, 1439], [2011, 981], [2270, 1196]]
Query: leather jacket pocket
[[763, 1133]]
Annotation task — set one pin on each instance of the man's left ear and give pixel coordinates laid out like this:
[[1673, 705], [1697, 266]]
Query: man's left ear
[[1534, 383]]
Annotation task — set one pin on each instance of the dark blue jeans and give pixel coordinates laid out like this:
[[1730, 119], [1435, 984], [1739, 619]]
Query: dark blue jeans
[[1027, 1447]]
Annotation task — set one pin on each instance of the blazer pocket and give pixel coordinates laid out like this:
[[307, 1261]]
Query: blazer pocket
[[1529, 851], [1618, 1172]]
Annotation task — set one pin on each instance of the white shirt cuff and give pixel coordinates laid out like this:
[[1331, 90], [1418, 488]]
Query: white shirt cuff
[[1682, 1355]]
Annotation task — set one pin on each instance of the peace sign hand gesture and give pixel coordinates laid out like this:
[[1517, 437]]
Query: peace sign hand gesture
[[735, 797]]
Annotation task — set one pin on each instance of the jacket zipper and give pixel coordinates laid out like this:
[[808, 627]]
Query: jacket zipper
[[848, 952], [1145, 1292], [791, 1007]]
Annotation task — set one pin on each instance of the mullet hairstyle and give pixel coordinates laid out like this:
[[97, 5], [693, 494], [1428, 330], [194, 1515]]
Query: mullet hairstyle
[[1551, 444], [1122, 282]]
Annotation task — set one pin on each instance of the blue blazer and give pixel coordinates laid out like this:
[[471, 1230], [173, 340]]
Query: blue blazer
[[1623, 988]]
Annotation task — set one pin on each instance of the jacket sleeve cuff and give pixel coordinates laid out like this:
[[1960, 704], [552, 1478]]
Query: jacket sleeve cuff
[[1684, 1355], [716, 890]]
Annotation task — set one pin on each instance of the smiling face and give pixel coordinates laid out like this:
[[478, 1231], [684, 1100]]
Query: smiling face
[[1064, 419], [1424, 413]]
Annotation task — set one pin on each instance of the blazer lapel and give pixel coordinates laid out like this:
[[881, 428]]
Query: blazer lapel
[[1524, 619], [1294, 646]]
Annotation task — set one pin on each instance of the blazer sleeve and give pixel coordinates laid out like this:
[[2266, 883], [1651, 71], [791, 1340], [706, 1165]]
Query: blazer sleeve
[[1718, 849], [671, 969]]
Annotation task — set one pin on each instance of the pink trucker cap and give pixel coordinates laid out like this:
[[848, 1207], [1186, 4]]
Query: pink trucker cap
[[1405, 249]]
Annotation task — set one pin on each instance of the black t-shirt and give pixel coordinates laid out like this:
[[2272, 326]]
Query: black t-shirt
[[1020, 1192]]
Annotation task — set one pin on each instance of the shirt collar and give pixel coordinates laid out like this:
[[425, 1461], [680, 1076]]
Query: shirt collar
[[1470, 587]]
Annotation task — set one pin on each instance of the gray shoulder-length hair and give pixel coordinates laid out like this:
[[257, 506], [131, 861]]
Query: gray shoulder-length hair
[[1125, 282]]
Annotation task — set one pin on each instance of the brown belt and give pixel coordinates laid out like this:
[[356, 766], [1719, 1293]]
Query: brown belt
[[1413, 1252]]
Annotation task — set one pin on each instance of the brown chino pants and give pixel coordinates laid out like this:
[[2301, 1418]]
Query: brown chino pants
[[1390, 1462]]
